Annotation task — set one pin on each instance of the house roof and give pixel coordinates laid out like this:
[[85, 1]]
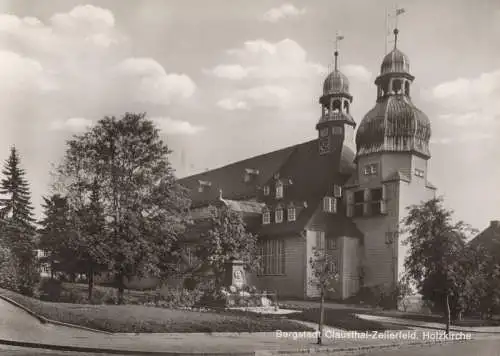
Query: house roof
[[293, 167], [489, 238]]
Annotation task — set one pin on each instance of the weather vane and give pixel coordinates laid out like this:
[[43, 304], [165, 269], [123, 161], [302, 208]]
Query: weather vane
[[397, 12], [338, 38]]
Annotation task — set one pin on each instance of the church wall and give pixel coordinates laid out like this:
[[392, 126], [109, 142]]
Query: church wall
[[411, 193], [291, 284], [349, 268], [394, 162]]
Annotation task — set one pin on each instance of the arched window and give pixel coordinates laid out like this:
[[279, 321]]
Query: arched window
[[396, 86], [346, 106], [336, 105], [407, 88]]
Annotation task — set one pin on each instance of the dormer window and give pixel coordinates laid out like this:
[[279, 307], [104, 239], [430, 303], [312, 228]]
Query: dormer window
[[279, 190], [204, 186], [329, 205], [278, 215], [291, 213], [266, 190], [250, 174], [419, 173]]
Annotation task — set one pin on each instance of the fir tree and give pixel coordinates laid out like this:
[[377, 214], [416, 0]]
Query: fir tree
[[16, 213]]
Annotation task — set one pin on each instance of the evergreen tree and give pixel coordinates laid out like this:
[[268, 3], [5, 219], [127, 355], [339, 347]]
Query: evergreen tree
[[16, 213]]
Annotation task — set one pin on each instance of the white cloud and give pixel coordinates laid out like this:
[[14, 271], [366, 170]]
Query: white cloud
[[148, 81], [176, 127], [462, 138], [471, 104], [232, 104], [357, 72], [260, 59], [74, 124], [266, 96], [284, 11]]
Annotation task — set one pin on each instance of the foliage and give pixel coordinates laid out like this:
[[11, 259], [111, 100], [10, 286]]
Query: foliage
[[8, 270], [324, 271], [17, 222], [227, 239], [437, 251], [142, 208]]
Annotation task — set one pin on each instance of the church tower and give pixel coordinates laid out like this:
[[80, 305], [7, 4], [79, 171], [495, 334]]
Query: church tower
[[336, 125], [392, 154]]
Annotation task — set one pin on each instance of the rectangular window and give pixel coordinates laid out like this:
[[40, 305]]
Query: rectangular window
[[370, 169], [375, 208], [373, 169], [324, 132], [337, 130], [272, 254], [278, 216], [331, 243], [320, 240], [358, 210], [291, 214], [376, 194], [419, 173], [279, 191], [337, 191], [329, 205], [266, 190], [366, 170], [266, 218], [359, 196]]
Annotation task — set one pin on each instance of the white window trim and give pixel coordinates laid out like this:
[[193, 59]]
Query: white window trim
[[278, 215], [266, 218], [329, 204], [279, 191], [291, 214], [266, 190]]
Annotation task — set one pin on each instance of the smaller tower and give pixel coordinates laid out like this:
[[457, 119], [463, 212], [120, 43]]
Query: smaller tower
[[336, 125]]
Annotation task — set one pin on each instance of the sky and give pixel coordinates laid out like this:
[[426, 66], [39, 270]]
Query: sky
[[230, 79]]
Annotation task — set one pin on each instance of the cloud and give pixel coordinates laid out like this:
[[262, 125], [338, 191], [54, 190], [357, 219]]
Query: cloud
[[176, 127], [266, 96], [471, 104], [232, 104], [148, 81], [260, 59], [357, 72], [465, 137], [74, 124], [284, 11]]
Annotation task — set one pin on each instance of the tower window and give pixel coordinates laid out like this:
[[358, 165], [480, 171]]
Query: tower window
[[324, 132], [346, 106], [396, 86], [278, 215], [370, 169], [419, 173], [266, 190], [337, 130], [407, 88], [336, 105]]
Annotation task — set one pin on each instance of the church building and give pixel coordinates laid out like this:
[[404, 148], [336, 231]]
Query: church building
[[345, 191]]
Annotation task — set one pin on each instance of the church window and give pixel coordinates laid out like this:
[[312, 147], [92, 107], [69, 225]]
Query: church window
[[291, 214], [320, 240], [337, 130], [331, 243], [419, 173], [279, 190], [359, 210], [266, 217], [266, 190], [324, 132], [278, 215], [329, 205], [359, 196], [336, 105], [272, 257]]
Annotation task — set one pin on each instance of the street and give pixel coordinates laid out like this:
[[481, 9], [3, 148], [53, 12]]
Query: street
[[26, 351]]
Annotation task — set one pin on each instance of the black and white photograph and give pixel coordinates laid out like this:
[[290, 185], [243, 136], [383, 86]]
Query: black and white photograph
[[250, 177]]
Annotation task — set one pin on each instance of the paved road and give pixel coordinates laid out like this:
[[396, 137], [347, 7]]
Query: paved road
[[22, 351]]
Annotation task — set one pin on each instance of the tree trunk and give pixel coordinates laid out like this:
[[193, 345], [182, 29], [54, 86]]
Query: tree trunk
[[321, 316], [90, 281], [448, 317], [121, 288]]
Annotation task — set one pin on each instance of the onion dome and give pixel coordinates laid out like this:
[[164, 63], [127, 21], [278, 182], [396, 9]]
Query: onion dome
[[336, 83], [394, 125]]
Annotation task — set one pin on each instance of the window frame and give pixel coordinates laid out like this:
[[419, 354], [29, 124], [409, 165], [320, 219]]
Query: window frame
[[279, 191], [273, 257], [279, 211], [291, 214], [266, 190], [266, 218]]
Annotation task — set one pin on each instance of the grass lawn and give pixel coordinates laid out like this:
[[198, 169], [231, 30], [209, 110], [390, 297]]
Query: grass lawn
[[343, 319], [134, 318]]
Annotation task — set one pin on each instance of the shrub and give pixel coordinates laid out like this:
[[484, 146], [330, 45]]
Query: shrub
[[50, 290]]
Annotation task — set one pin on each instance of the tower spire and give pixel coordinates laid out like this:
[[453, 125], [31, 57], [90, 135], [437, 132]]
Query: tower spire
[[397, 12], [338, 38]]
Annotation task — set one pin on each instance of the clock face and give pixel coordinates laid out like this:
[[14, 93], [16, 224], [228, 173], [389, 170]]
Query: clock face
[[324, 145]]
